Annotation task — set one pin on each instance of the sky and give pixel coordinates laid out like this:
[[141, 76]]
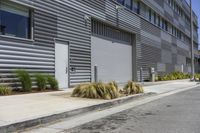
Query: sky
[[196, 8]]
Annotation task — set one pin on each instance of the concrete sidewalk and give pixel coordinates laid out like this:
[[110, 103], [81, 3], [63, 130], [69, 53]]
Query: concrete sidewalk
[[166, 86], [19, 108]]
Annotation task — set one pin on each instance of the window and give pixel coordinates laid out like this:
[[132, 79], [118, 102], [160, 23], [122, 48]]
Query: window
[[181, 12], [150, 15], [175, 32], [172, 30], [169, 28], [128, 4], [188, 61], [154, 14], [180, 36], [171, 2], [121, 1], [108, 31], [158, 21], [136, 6], [166, 25], [162, 23], [173, 5], [168, 1], [14, 20]]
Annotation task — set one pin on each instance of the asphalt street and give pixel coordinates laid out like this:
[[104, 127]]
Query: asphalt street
[[177, 113]]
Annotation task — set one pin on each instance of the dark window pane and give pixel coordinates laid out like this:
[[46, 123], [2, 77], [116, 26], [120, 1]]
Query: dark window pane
[[154, 18], [128, 4], [166, 25], [14, 23], [136, 6], [158, 21], [163, 24], [121, 1], [150, 15]]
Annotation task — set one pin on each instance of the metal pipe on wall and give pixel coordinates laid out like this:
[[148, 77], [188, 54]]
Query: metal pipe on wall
[[191, 38]]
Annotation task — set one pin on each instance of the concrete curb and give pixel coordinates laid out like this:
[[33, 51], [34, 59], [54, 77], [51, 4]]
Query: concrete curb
[[58, 116]]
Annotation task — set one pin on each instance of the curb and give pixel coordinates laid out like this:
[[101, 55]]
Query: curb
[[59, 116]]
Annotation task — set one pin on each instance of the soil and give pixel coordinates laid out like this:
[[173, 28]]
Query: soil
[[19, 92]]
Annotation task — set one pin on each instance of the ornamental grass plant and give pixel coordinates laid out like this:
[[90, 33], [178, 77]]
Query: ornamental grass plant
[[132, 88], [5, 90], [97, 90], [106, 91], [24, 79]]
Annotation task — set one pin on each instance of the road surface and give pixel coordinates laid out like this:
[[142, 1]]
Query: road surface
[[178, 113]]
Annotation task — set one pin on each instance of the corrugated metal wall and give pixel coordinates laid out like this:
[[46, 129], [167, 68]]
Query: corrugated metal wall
[[64, 19]]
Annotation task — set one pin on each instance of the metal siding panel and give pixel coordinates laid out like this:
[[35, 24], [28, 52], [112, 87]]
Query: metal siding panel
[[64, 19]]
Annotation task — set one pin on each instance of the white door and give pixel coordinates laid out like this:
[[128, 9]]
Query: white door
[[61, 64], [113, 60]]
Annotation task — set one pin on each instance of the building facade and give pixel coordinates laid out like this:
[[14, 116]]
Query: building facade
[[95, 40]]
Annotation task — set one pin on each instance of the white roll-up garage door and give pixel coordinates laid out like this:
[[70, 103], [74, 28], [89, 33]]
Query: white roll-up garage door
[[113, 58]]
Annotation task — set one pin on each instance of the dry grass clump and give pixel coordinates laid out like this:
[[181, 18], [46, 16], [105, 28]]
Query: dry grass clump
[[132, 88], [97, 90], [5, 90], [106, 91]]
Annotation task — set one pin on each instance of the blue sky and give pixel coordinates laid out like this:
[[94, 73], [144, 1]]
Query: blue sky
[[196, 8]]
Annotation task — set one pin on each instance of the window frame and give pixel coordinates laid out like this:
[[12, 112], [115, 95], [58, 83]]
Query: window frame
[[31, 21]]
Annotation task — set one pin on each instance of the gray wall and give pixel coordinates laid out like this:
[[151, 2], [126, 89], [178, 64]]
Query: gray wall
[[64, 19]]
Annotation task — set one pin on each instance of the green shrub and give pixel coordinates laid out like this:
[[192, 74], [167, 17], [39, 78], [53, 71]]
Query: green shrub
[[174, 76], [197, 76], [52, 82], [5, 90], [25, 80], [132, 88], [41, 81], [97, 90]]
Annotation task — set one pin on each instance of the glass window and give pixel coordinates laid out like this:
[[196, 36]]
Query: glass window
[[169, 28], [121, 1], [166, 26], [136, 6], [150, 15], [154, 14], [14, 20], [158, 21], [143, 10], [171, 2], [128, 4], [188, 61], [162, 24], [173, 5], [175, 31]]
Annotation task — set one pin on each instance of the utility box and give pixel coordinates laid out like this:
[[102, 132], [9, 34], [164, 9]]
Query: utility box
[[152, 74]]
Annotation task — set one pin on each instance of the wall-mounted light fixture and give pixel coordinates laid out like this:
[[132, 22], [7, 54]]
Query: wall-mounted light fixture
[[87, 19], [119, 7]]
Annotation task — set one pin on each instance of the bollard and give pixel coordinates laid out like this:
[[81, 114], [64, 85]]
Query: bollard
[[141, 77], [152, 74], [95, 74]]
